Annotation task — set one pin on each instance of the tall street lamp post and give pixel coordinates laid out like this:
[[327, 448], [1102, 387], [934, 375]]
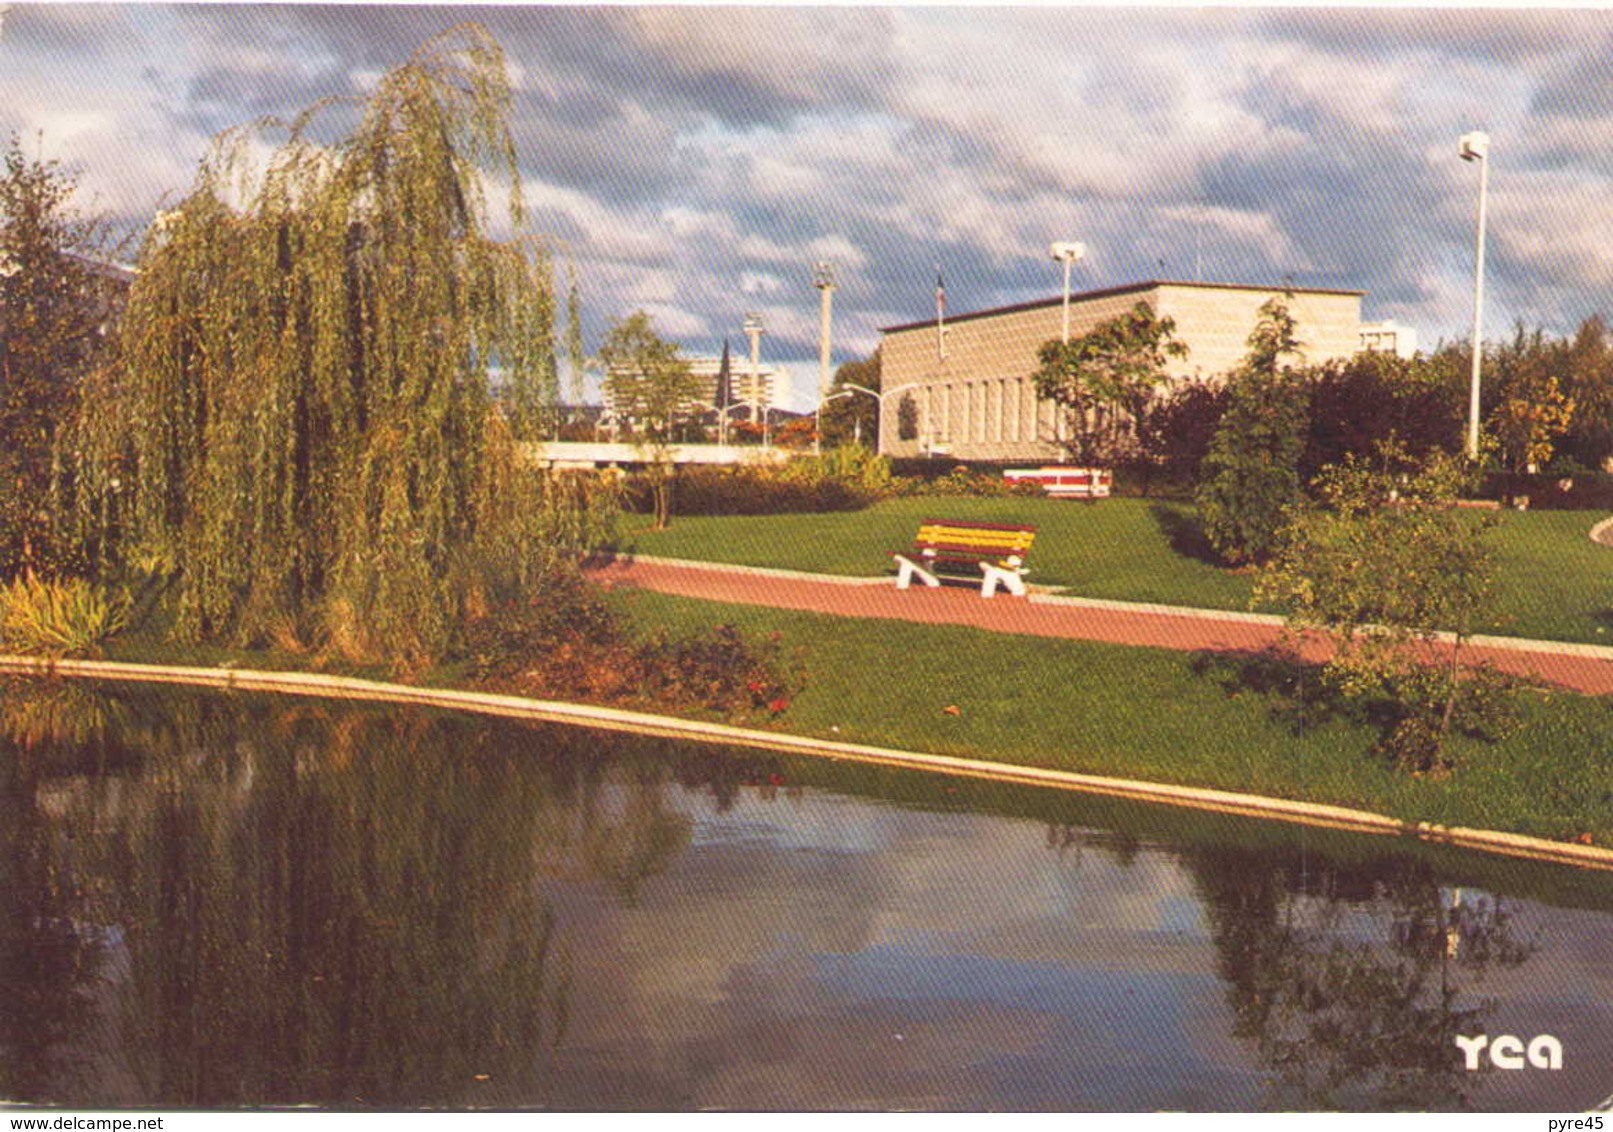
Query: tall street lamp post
[[753, 331], [1476, 147], [823, 278], [1067, 253]]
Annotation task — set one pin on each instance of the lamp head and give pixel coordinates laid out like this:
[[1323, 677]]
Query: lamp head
[[1475, 146], [1067, 251]]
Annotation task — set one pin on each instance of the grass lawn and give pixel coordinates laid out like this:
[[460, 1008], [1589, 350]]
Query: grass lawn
[[1555, 583], [1156, 715]]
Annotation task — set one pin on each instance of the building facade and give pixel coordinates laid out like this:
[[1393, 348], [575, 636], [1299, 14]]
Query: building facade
[[754, 390], [1389, 337], [964, 388]]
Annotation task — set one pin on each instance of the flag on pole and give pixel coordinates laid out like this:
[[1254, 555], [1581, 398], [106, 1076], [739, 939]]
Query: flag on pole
[[940, 313]]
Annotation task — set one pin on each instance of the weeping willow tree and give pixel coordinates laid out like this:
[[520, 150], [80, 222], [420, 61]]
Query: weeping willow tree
[[303, 427]]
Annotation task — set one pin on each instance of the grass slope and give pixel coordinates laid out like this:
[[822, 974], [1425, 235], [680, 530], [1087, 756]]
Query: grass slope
[[1555, 583], [1155, 714]]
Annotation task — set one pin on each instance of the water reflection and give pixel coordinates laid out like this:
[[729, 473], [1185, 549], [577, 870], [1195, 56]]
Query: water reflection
[[211, 901], [1349, 982]]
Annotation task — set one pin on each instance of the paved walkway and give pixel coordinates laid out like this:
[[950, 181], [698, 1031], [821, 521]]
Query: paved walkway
[[1583, 668]]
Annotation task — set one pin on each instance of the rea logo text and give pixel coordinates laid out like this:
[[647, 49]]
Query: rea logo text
[[1509, 1052]]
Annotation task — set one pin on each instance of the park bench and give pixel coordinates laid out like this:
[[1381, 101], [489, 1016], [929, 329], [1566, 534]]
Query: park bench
[[1066, 482], [965, 550]]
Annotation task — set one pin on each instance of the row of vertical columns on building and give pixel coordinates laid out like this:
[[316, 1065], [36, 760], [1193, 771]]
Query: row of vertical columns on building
[[996, 410]]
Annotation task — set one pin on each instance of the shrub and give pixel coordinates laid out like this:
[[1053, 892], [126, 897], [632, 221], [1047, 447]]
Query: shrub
[[753, 491], [567, 643], [963, 480], [857, 466], [59, 618]]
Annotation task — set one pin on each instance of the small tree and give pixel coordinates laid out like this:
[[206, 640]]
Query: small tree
[[53, 308], [1384, 563], [1528, 422], [1252, 469], [1104, 381], [650, 384], [1589, 371]]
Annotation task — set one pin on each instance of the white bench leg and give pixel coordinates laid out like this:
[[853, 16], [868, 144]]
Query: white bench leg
[[1008, 579], [907, 570]]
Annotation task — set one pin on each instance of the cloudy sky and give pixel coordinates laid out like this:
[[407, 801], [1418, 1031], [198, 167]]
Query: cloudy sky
[[696, 161]]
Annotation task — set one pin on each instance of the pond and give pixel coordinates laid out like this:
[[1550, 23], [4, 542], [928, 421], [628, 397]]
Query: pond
[[213, 900]]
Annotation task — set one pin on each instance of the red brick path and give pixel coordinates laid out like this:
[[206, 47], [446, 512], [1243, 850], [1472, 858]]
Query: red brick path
[[1576, 667]]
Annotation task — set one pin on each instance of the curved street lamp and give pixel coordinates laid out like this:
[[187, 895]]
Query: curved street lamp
[[878, 395], [1475, 146]]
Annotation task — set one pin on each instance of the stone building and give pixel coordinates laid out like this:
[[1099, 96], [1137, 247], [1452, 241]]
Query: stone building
[[964, 388]]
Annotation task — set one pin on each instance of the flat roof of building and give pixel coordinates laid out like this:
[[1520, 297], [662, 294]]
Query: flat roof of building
[[1127, 289]]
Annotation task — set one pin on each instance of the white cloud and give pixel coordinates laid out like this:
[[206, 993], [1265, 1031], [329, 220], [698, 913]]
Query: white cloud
[[760, 283]]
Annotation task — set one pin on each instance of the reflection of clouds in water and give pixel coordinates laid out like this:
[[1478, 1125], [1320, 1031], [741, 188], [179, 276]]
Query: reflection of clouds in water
[[917, 956]]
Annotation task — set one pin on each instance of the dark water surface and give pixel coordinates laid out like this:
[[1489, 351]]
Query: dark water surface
[[211, 900]]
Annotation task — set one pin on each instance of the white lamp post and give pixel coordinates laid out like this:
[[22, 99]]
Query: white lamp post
[[1476, 147], [823, 278], [753, 331], [1067, 253]]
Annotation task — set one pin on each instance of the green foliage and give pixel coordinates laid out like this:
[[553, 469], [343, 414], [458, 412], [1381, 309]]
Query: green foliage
[[1105, 379], [1252, 469], [1384, 563], [1175, 431], [66, 617], [303, 424], [751, 491], [1360, 402], [856, 465], [653, 388], [1588, 378], [842, 479], [53, 305]]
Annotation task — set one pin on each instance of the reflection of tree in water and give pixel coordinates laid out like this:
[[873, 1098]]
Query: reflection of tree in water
[[632, 834], [298, 904], [1350, 983], [44, 964]]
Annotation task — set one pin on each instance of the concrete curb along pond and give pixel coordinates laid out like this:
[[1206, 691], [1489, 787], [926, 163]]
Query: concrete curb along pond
[[644, 723]]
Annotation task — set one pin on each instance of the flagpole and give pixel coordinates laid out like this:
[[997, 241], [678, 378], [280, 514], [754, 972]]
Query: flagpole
[[940, 314]]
